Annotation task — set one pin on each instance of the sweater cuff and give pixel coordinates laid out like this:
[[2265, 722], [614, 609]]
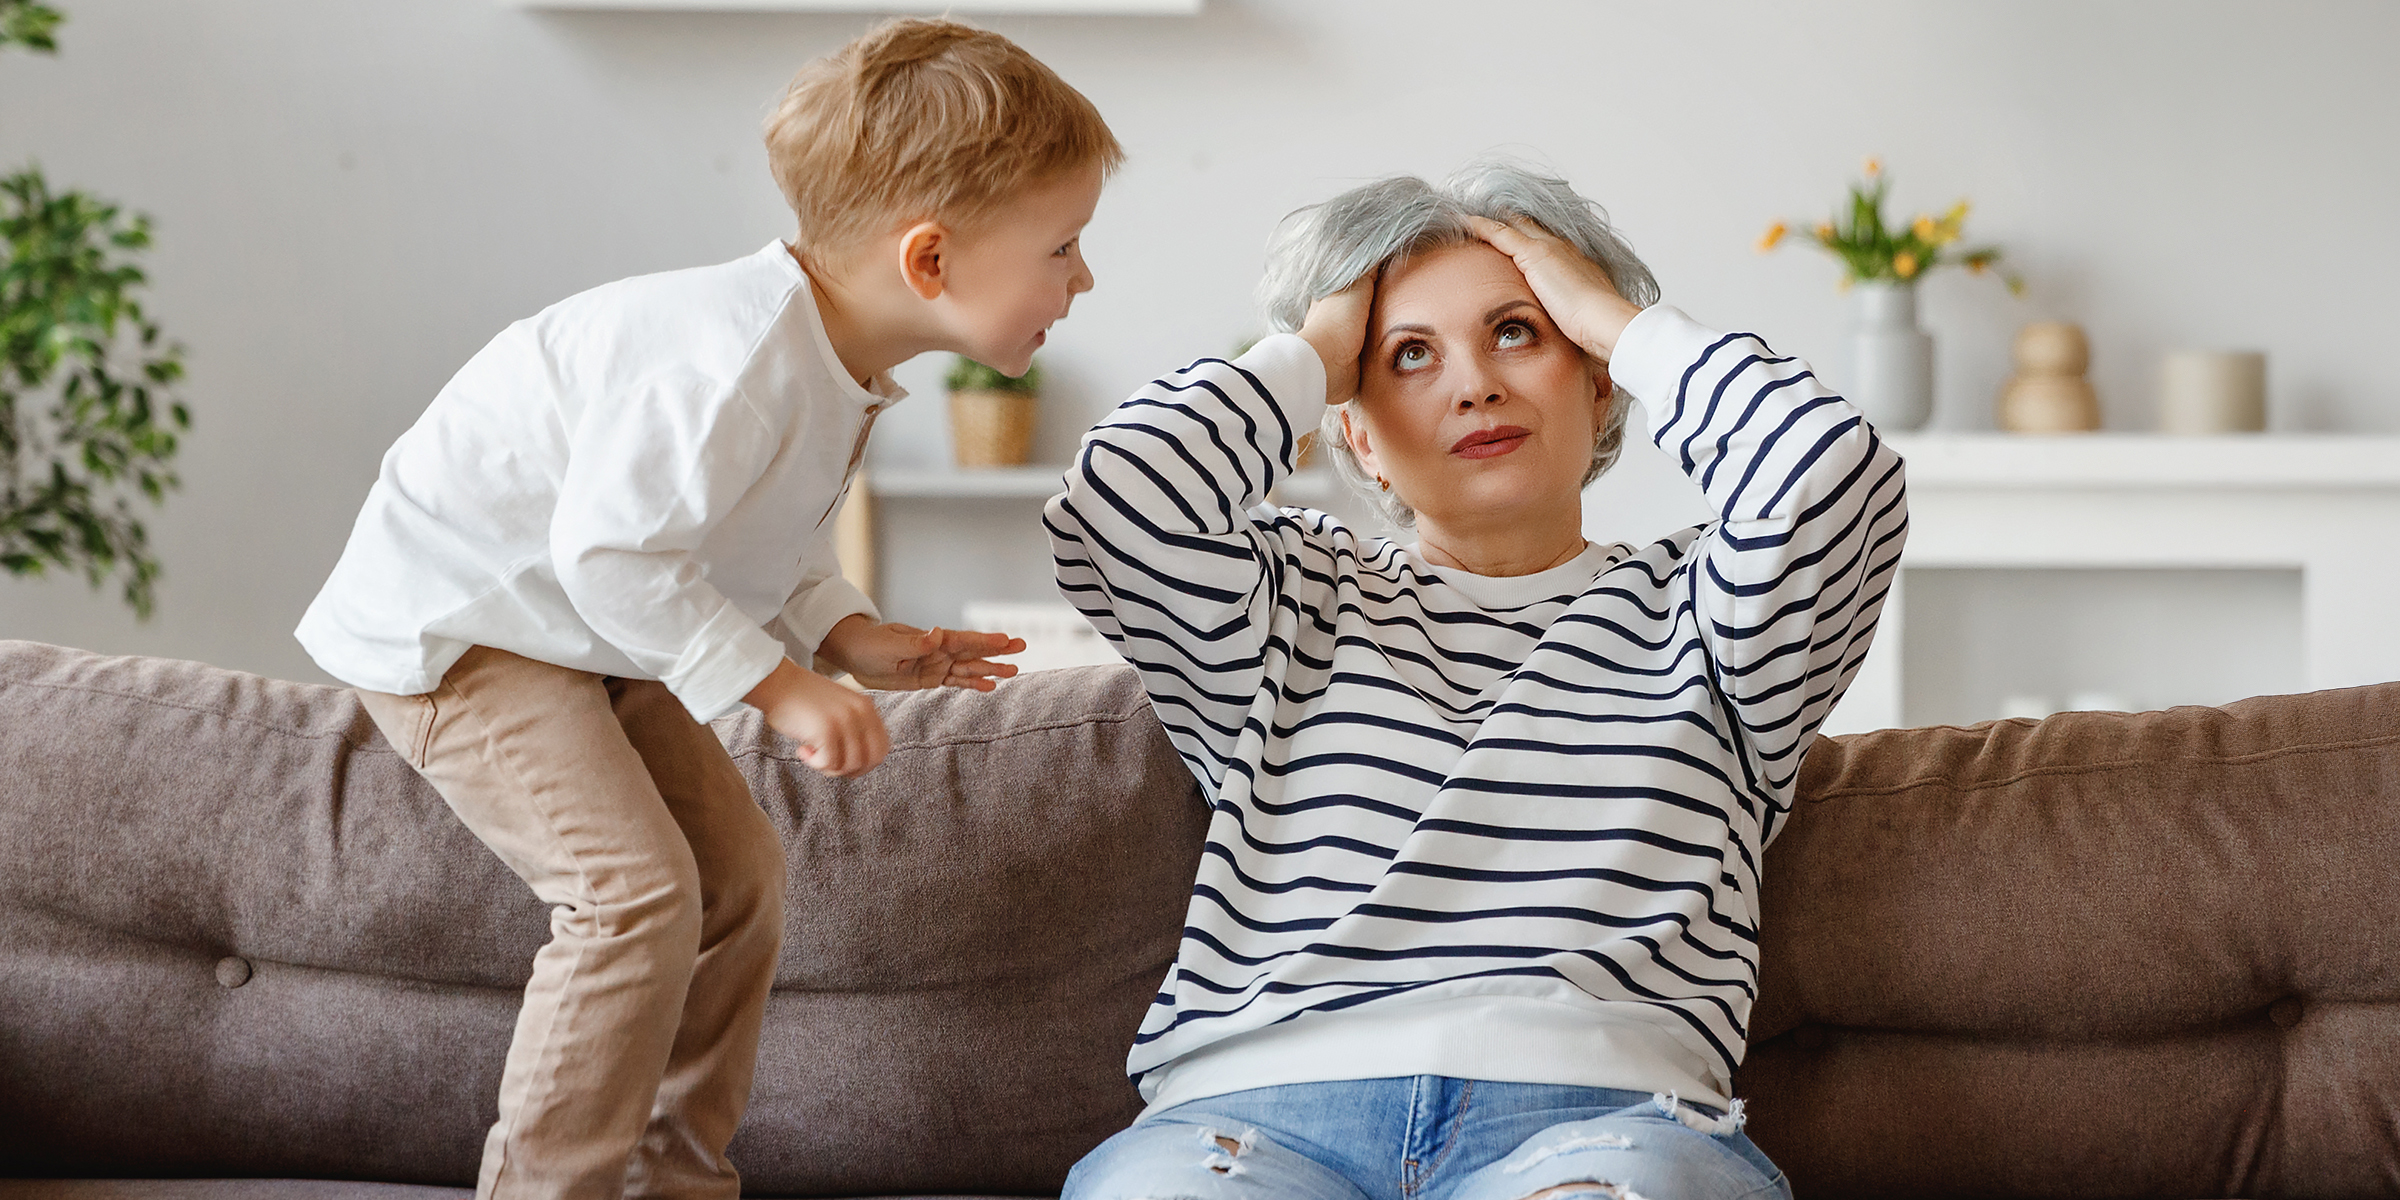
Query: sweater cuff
[[720, 666], [1657, 347], [1293, 376]]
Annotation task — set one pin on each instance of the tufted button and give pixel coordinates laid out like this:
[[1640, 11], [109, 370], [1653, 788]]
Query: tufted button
[[2286, 1012], [233, 971]]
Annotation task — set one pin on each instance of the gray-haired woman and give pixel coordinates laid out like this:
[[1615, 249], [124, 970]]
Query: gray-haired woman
[[1477, 914]]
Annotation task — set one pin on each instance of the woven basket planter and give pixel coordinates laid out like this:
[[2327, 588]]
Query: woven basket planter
[[992, 429]]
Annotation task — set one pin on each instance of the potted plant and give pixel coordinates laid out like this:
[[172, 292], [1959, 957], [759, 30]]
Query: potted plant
[[87, 420], [1892, 359], [991, 414]]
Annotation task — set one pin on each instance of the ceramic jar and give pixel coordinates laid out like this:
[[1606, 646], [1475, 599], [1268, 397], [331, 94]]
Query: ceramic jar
[[1891, 359], [2212, 391], [2049, 393]]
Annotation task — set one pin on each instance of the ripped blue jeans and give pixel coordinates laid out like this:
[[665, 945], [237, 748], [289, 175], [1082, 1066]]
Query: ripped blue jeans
[[1429, 1138]]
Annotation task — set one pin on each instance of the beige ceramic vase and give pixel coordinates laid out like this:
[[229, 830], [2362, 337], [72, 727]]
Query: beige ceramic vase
[[2049, 393], [991, 429]]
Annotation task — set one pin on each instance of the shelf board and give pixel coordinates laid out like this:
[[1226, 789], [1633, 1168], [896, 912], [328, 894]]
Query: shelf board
[[1042, 482], [991, 483], [1093, 8], [2136, 461]]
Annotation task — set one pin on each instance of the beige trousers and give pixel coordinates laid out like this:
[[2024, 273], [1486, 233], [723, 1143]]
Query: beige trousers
[[634, 1050]]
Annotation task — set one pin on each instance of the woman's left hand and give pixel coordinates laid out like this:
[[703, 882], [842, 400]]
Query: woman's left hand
[[1572, 288]]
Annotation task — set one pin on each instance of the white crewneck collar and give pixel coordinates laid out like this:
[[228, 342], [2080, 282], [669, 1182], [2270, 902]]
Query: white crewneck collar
[[1516, 591]]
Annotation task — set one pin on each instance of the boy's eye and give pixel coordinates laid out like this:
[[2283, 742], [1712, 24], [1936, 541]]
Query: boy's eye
[[1065, 250], [1412, 355], [1515, 333]]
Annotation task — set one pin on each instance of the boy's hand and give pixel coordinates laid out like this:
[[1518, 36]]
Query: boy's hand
[[839, 731], [1336, 326], [899, 657], [1573, 289]]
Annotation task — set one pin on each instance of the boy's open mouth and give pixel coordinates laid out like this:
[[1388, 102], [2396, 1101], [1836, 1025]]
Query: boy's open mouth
[[1490, 443]]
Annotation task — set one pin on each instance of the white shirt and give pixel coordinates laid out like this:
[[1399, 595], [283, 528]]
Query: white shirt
[[638, 481]]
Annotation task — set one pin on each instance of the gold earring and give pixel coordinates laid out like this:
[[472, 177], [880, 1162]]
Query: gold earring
[[1383, 483]]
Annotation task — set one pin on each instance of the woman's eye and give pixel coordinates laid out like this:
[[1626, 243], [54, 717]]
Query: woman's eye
[[1515, 333], [1412, 356]]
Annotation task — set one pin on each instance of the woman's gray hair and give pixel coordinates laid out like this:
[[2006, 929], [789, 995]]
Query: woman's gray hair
[[1327, 247]]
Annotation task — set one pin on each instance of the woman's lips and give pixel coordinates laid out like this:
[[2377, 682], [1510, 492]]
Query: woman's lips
[[1490, 443]]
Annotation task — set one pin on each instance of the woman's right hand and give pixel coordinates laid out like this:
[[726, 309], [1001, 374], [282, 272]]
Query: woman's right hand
[[1336, 326], [839, 731]]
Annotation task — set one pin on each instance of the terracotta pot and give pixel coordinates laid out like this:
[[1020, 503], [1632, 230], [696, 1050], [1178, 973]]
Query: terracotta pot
[[991, 429]]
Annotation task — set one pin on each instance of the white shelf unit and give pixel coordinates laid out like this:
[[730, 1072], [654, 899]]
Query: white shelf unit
[[2326, 507]]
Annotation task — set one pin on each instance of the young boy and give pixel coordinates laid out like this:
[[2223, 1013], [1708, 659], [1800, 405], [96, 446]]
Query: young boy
[[612, 524]]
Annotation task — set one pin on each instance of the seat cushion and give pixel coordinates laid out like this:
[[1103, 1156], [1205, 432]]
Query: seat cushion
[[2104, 954], [245, 939]]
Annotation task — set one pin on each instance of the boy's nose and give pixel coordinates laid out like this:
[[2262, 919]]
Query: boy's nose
[[1082, 280]]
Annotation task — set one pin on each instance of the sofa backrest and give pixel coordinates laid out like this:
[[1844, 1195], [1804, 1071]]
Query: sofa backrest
[[2151, 954], [239, 936]]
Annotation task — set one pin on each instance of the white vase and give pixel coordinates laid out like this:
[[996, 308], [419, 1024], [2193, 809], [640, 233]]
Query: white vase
[[1891, 360]]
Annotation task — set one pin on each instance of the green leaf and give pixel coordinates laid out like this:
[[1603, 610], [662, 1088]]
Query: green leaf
[[77, 348]]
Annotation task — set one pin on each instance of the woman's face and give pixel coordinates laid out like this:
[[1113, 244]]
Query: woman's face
[[1471, 403]]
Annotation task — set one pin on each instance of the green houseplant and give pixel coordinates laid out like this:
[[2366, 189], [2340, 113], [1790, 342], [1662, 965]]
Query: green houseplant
[[88, 417], [991, 414]]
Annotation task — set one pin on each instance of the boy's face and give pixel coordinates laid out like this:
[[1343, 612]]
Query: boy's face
[[1019, 269]]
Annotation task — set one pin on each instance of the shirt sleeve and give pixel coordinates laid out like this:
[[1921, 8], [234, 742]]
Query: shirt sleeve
[[823, 599], [1788, 584], [648, 475], [1155, 542]]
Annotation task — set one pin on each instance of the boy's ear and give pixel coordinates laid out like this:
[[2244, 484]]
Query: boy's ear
[[922, 247]]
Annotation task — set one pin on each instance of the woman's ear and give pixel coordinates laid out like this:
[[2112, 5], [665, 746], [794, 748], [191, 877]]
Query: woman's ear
[[922, 270], [1354, 431]]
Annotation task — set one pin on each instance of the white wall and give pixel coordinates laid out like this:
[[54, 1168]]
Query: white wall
[[351, 197]]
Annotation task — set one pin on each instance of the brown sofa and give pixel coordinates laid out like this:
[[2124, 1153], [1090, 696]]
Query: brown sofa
[[245, 952]]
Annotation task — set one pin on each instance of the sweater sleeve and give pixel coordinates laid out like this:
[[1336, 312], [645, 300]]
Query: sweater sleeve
[[1154, 540], [1789, 582]]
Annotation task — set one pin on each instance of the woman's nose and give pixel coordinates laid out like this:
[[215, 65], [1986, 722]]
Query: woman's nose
[[1477, 386]]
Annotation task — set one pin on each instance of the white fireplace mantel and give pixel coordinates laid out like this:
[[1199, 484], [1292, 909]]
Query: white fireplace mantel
[[2327, 506]]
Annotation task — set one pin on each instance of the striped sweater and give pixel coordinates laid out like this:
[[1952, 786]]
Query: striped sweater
[[1488, 828]]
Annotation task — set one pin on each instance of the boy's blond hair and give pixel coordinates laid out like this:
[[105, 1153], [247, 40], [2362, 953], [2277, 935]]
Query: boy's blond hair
[[923, 120]]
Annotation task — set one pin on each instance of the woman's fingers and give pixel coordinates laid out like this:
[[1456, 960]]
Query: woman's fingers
[[1336, 327], [1572, 288]]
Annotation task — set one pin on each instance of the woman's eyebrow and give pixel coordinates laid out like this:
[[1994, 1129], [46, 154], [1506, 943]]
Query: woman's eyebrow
[[1389, 330], [1505, 308]]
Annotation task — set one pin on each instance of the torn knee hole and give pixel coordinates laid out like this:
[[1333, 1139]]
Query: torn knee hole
[[1589, 1187], [1227, 1149]]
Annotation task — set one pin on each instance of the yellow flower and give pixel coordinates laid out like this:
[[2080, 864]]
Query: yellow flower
[[1924, 228], [1824, 231], [1952, 223], [1975, 266], [1874, 167], [1904, 264], [1773, 235]]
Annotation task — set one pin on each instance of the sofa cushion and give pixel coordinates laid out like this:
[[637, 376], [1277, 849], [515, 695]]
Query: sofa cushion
[[244, 938], [2104, 954]]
